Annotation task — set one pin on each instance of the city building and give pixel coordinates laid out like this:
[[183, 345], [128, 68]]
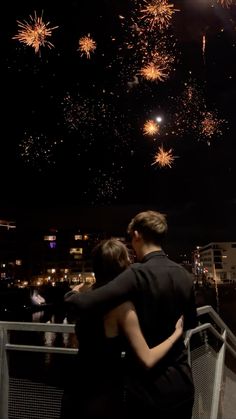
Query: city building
[[216, 262], [10, 261]]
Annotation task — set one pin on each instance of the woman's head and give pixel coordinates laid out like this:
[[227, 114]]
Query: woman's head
[[110, 258]]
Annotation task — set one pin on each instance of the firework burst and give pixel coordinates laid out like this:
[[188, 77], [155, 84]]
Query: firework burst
[[158, 14], [39, 151], [151, 128], [210, 126], [105, 185], [163, 158], [35, 32], [152, 72], [225, 3], [144, 50], [86, 45], [189, 107]]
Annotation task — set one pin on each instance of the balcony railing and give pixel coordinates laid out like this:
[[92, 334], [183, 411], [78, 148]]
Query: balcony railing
[[32, 376]]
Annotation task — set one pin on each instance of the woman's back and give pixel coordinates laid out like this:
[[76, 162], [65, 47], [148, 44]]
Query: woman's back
[[100, 370]]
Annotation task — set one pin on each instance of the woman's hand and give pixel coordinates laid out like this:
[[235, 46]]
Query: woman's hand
[[83, 286], [179, 327]]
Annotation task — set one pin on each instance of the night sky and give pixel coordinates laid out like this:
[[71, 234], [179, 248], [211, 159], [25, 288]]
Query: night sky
[[72, 126]]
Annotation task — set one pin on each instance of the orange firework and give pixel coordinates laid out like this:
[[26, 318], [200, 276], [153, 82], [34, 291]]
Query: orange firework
[[225, 3], [158, 13], [35, 32], [163, 158], [153, 72], [204, 48], [151, 127], [87, 45], [210, 125]]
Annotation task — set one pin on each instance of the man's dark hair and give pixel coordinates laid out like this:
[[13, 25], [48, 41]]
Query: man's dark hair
[[151, 225]]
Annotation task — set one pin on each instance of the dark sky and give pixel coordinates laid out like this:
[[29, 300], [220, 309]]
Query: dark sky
[[72, 127]]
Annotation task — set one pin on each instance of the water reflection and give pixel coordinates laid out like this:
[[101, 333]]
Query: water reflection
[[49, 337], [64, 340]]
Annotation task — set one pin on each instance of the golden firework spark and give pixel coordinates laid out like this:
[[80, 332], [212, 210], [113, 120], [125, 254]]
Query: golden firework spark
[[158, 13], [151, 127], [210, 125], [163, 158], [153, 72], [87, 45], [204, 48], [35, 32], [225, 3]]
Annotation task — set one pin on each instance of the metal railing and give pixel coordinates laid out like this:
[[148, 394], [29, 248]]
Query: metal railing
[[37, 394], [212, 355]]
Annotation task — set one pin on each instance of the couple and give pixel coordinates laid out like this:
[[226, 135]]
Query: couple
[[158, 381]]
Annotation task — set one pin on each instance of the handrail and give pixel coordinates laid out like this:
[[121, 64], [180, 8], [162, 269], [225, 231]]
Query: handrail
[[38, 327], [210, 327], [216, 318], [43, 349]]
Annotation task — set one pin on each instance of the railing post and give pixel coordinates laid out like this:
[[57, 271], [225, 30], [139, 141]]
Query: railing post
[[218, 380], [4, 376]]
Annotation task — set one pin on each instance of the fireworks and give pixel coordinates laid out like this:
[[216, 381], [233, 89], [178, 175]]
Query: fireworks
[[35, 32], [79, 113], [158, 14], [190, 105], [105, 187], [151, 128], [153, 72], [225, 3], [39, 151], [204, 48], [147, 53], [163, 158], [210, 126], [87, 45]]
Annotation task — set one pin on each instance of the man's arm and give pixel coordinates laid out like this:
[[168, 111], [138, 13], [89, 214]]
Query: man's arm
[[103, 298]]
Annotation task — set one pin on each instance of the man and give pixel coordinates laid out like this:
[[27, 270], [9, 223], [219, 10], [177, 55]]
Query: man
[[161, 291]]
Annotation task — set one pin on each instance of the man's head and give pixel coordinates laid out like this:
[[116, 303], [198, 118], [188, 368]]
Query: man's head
[[147, 230], [110, 257]]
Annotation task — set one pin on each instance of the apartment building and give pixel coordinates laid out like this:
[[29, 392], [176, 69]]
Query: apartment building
[[217, 261]]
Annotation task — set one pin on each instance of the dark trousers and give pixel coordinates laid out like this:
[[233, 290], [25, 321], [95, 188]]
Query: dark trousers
[[183, 411]]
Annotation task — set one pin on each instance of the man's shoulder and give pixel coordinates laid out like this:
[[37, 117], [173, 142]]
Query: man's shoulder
[[136, 265], [177, 265]]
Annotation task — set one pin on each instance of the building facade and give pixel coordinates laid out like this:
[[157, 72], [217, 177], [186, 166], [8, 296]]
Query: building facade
[[217, 261]]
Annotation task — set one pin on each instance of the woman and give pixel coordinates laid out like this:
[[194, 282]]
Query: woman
[[102, 340]]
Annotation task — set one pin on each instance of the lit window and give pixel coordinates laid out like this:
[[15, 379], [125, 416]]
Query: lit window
[[76, 251], [78, 237], [50, 238]]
